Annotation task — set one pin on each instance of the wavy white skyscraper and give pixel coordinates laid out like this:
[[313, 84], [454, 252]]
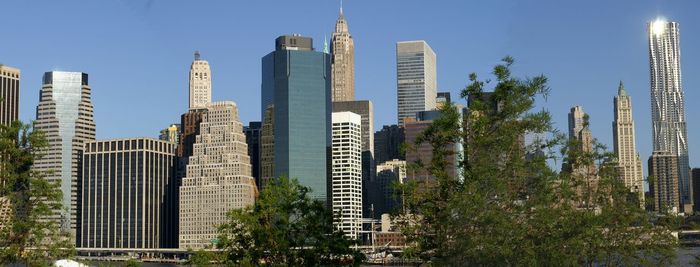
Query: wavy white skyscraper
[[200, 83], [667, 101]]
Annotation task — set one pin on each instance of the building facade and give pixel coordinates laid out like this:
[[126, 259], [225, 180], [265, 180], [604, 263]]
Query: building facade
[[663, 187], [296, 80], [218, 177], [629, 163], [365, 109], [267, 148], [171, 134], [416, 77], [9, 94], [125, 194], [669, 133], [695, 176], [423, 153], [65, 115], [347, 172], [200, 82], [252, 138], [383, 197], [388, 142], [342, 61]]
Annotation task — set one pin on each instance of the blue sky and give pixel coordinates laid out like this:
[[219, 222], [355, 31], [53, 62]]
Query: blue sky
[[138, 53]]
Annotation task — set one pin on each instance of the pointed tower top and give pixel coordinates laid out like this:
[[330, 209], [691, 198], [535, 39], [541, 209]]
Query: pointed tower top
[[621, 90], [196, 55], [341, 25], [341, 7], [325, 44]]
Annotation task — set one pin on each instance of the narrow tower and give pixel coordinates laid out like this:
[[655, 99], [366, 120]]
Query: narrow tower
[[342, 61], [629, 163], [200, 83]]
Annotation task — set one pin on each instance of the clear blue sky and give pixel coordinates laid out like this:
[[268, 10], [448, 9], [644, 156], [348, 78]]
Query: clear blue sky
[[138, 52]]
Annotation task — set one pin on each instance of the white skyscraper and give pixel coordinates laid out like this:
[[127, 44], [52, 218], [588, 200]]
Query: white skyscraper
[[219, 176], [200, 83], [343, 61], [667, 102], [629, 163], [347, 171], [416, 78]]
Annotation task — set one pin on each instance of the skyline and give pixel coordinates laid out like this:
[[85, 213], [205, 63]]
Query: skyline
[[159, 67]]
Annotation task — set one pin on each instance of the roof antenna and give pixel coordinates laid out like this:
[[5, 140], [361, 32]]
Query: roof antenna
[[341, 7]]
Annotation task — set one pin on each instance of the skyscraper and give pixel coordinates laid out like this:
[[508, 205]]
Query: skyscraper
[[416, 78], [695, 176], [9, 94], [171, 134], [267, 148], [582, 139], [347, 172], [387, 143], [365, 109], [296, 80], [65, 115], [423, 152], [383, 194], [663, 187], [629, 163], [218, 176], [576, 121], [200, 82], [252, 138], [669, 132], [342, 61], [125, 199]]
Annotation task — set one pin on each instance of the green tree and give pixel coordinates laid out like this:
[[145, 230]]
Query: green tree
[[27, 237], [510, 207], [285, 227]]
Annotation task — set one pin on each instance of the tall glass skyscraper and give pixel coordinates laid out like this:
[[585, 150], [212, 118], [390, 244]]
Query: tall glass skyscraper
[[296, 80], [65, 115], [667, 102], [416, 78]]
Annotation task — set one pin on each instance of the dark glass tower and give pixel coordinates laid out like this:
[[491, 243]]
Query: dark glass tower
[[297, 81]]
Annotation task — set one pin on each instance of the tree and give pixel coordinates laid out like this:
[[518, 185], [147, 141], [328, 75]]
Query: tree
[[285, 227], [510, 207], [27, 236]]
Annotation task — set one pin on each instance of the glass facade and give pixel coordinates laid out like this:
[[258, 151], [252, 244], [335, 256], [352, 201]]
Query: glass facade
[[298, 84]]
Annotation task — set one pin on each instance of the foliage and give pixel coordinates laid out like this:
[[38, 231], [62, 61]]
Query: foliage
[[132, 263], [201, 258], [27, 236], [510, 207], [285, 227]]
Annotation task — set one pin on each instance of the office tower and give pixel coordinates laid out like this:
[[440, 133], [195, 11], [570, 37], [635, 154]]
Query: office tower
[[423, 153], [388, 142], [218, 177], [663, 169], [252, 138], [65, 115], [342, 61], [629, 163], [695, 176], [267, 148], [667, 100], [442, 99], [365, 109], [297, 81], [347, 172], [171, 134], [383, 196], [9, 94], [200, 83], [582, 139], [576, 121], [124, 194], [416, 77]]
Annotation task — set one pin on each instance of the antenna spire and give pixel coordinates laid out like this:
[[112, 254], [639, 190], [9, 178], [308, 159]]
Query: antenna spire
[[341, 7]]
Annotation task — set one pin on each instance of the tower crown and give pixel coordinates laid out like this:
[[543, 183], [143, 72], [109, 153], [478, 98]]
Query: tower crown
[[341, 25], [621, 90]]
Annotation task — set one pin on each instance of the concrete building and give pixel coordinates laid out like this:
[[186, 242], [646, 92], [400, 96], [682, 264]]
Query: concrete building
[[416, 76], [365, 109], [388, 142], [296, 80], [625, 146], [9, 94], [126, 196], [252, 138], [695, 176], [669, 133], [442, 99], [423, 153], [218, 178], [382, 193], [342, 61], [267, 148], [582, 137], [200, 82], [347, 172], [171, 134], [65, 115], [663, 187]]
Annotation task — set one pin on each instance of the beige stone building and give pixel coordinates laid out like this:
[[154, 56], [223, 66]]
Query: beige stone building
[[200, 83], [629, 163], [343, 61], [218, 179]]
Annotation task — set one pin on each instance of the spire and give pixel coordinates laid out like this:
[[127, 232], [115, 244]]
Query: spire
[[341, 25], [196, 55], [621, 90], [341, 7], [325, 44]]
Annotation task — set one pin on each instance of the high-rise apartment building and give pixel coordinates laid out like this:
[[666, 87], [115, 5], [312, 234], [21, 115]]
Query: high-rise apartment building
[[9, 94], [218, 178], [65, 115], [388, 142], [252, 138], [296, 80], [171, 134], [342, 61], [668, 121], [629, 163], [416, 77], [663, 187], [126, 196], [347, 172], [200, 82]]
